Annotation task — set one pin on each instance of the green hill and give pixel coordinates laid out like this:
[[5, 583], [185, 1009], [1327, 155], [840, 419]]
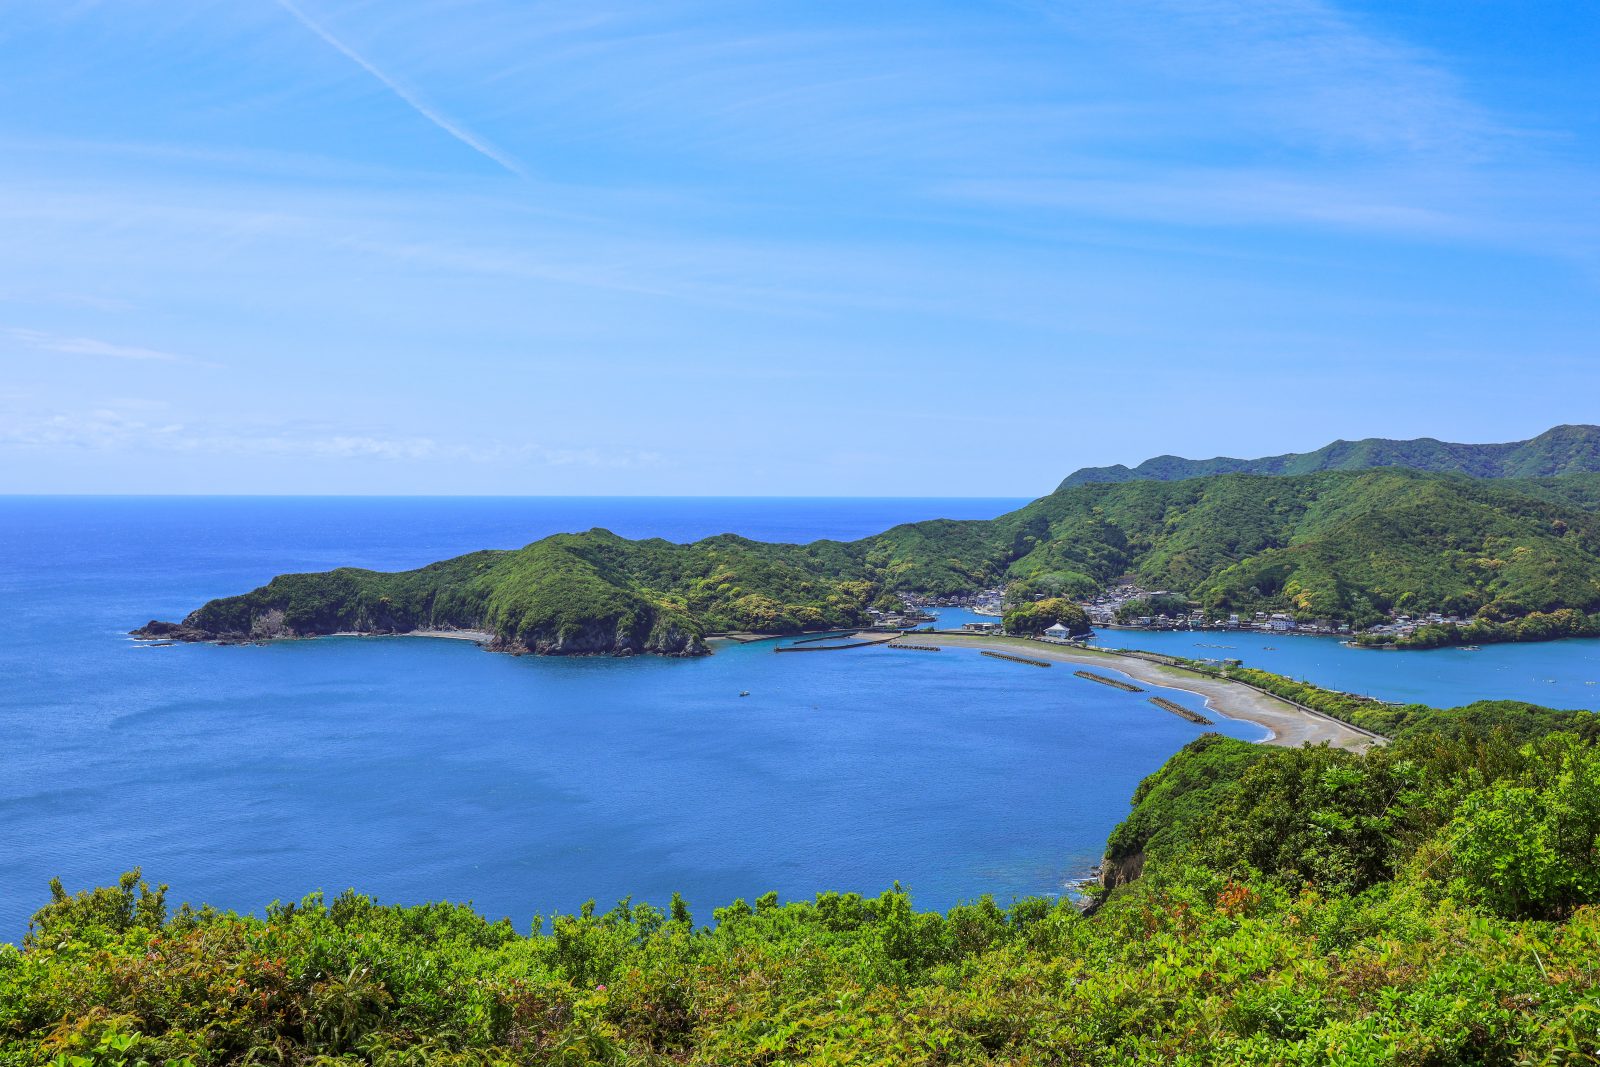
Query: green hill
[[1337, 545], [570, 593], [1562, 450]]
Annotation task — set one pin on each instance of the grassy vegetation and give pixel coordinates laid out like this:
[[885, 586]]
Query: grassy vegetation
[[1346, 546], [1430, 902]]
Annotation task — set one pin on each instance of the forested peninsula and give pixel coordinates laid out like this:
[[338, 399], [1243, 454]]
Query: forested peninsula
[[1349, 546]]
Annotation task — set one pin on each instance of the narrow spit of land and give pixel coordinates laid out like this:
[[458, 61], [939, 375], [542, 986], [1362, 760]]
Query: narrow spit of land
[[1290, 725]]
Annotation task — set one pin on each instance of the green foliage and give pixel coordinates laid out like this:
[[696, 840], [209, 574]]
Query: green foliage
[[1534, 626], [1529, 846], [1035, 617], [1318, 816], [1516, 719], [1186, 967], [1152, 607], [1349, 546], [889, 602], [1169, 803], [106, 910], [1562, 450], [1499, 815], [590, 592], [1342, 546]]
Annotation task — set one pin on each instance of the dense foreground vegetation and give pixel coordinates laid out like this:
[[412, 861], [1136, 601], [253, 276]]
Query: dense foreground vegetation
[[1347, 546], [1431, 902]]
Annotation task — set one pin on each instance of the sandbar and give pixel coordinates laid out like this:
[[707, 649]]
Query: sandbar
[[1289, 724]]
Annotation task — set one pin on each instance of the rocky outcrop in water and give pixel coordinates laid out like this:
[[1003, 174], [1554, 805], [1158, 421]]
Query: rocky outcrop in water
[[598, 639], [155, 630]]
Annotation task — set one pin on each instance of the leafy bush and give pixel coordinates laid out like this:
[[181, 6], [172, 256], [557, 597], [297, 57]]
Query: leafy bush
[[1038, 616], [1530, 846]]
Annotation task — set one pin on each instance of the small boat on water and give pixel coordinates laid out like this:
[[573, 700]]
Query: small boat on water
[[744, 692], [1471, 648]]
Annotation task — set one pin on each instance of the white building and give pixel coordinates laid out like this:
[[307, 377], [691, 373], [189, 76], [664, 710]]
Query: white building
[[1058, 632]]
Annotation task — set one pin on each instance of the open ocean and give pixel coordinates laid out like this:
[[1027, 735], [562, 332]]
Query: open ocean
[[419, 770]]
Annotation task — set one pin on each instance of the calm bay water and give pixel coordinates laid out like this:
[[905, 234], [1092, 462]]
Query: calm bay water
[[1561, 674], [425, 769]]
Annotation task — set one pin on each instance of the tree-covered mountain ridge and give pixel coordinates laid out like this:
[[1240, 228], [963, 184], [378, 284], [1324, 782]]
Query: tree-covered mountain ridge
[[1557, 451], [1341, 545]]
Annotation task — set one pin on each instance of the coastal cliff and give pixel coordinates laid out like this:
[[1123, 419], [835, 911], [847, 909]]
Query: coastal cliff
[[594, 639]]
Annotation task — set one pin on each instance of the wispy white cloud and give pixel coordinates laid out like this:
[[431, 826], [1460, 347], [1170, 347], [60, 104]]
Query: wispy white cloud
[[91, 301], [1310, 71], [756, 198], [416, 103], [137, 427], [1222, 197], [41, 341]]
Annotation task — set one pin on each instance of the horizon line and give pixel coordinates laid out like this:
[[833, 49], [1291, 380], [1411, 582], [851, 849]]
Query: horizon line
[[492, 496]]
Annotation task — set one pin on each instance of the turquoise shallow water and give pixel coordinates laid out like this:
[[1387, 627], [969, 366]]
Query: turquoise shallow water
[[425, 769]]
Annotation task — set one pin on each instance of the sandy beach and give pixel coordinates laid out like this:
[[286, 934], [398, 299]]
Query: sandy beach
[[481, 637], [1290, 725]]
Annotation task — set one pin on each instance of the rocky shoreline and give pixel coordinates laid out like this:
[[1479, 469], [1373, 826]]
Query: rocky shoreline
[[590, 641]]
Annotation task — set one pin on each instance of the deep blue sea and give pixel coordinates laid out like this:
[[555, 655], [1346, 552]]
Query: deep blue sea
[[421, 769], [418, 769]]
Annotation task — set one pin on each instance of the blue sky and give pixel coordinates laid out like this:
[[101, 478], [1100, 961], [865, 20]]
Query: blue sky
[[484, 246]]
